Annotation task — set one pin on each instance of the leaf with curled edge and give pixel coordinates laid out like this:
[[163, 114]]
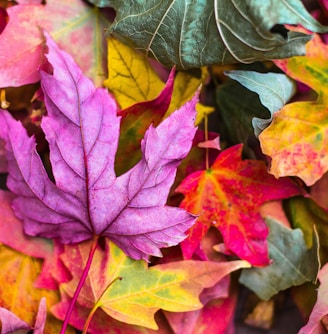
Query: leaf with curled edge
[[274, 90], [191, 34], [297, 138], [141, 291], [87, 198]]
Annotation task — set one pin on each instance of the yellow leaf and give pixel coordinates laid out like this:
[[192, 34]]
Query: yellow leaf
[[130, 77], [17, 292], [297, 139], [141, 291], [133, 80]]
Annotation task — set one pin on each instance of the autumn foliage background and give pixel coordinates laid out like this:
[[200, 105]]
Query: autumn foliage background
[[157, 161]]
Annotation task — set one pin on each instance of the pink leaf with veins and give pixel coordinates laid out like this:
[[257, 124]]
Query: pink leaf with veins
[[87, 199]]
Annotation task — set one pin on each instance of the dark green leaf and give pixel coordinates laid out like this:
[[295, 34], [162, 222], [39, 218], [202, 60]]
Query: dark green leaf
[[237, 106], [274, 90], [192, 34], [293, 263]]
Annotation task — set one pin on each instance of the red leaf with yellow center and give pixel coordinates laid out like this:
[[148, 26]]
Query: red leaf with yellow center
[[228, 196]]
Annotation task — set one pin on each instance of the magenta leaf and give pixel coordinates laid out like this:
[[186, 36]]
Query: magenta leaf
[[87, 199]]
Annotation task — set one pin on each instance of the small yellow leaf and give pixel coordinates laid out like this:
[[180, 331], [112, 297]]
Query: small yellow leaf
[[130, 77]]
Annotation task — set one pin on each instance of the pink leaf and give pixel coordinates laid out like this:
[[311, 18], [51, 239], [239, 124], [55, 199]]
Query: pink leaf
[[87, 198], [12, 235], [74, 25], [314, 325], [213, 143], [41, 317], [3, 161], [11, 323]]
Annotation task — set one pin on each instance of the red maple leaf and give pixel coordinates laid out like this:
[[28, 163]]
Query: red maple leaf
[[228, 196]]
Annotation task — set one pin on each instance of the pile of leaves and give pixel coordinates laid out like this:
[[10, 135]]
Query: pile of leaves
[[158, 156]]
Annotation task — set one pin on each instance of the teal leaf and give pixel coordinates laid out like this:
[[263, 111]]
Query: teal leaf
[[191, 34], [274, 90], [237, 106], [293, 263]]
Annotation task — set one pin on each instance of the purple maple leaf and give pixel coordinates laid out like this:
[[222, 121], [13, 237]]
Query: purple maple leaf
[[87, 199]]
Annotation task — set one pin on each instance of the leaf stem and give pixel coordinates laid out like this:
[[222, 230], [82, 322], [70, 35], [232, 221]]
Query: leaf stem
[[80, 285], [95, 307], [90, 316], [206, 139]]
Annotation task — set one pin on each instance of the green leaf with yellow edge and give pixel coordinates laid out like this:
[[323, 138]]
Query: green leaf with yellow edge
[[293, 263], [297, 139], [303, 213], [141, 291], [17, 292]]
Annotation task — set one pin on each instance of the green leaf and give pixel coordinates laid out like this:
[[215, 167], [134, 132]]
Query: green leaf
[[192, 34], [274, 90], [303, 213], [293, 263], [237, 106]]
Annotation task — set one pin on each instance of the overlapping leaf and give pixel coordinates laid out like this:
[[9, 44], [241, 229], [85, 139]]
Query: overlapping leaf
[[303, 213], [314, 325], [194, 34], [130, 209], [228, 196], [135, 121], [101, 321], [17, 291], [206, 318], [130, 77], [12, 324], [293, 263], [141, 291], [133, 80], [77, 27], [135, 84], [297, 139], [274, 90], [12, 235]]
